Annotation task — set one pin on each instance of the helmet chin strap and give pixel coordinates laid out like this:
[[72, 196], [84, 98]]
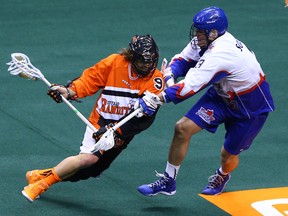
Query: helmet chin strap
[[213, 34], [207, 43]]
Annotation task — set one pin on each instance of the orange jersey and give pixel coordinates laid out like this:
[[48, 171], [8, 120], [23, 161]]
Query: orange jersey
[[120, 90]]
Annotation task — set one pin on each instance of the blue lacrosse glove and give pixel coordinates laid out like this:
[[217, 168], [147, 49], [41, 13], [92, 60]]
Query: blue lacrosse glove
[[149, 103]]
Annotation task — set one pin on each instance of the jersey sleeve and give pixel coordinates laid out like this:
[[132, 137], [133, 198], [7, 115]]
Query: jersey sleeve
[[93, 78], [205, 73]]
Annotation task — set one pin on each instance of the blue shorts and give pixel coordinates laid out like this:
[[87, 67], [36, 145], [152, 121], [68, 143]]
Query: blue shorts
[[211, 111]]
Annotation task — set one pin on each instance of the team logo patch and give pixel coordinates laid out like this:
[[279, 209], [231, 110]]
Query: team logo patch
[[259, 202], [206, 115]]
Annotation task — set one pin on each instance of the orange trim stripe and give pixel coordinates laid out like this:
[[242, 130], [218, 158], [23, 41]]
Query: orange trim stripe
[[262, 78]]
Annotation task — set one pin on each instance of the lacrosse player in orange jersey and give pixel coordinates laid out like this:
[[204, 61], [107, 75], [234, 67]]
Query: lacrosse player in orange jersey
[[123, 78]]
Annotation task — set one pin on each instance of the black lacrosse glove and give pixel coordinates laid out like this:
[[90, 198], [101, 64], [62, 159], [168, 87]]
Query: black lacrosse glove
[[54, 94], [97, 135]]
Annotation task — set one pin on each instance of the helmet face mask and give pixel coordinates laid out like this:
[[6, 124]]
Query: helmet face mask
[[145, 55], [202, 39], [144, 68]]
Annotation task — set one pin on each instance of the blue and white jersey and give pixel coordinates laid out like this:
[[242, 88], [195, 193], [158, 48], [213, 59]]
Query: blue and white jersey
[[230, 67]]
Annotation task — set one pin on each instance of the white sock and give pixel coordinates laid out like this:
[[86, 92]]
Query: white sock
[[172, 170], [222, 172]]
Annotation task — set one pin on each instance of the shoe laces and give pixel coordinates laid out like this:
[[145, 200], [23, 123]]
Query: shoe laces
[[163, 179], [215, 180]]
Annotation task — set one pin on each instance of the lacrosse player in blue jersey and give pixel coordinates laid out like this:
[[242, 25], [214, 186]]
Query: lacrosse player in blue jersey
[[238, 97]]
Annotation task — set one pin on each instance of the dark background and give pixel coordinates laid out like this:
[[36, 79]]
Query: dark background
[[64, 37]]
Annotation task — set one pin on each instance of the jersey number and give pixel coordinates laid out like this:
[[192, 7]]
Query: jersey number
[[199, 63], [158, 83]]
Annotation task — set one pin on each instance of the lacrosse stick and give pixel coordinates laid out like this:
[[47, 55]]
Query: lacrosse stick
[[106, 141], [20, 65], [164, 65]]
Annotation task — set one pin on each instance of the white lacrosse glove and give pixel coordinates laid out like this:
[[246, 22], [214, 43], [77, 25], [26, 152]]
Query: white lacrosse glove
[[149, 103], [106, 141], [168, 77]]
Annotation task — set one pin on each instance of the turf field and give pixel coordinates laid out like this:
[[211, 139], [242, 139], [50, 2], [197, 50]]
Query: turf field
[[65, 36]]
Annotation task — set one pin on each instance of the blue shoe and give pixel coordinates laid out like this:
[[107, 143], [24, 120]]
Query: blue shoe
[[165, 185], [217, 183]]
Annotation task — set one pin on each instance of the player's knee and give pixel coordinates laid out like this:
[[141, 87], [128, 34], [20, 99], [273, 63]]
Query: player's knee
[[186, 128], [178, 128], [87, 160]]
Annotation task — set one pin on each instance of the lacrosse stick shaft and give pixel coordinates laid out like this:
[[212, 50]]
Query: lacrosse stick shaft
[[127, 118], [108, 136], [115, 127], [73, 108]]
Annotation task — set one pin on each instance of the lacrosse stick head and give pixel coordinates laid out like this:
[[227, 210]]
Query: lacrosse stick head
[[164, 65], [20, 65]]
